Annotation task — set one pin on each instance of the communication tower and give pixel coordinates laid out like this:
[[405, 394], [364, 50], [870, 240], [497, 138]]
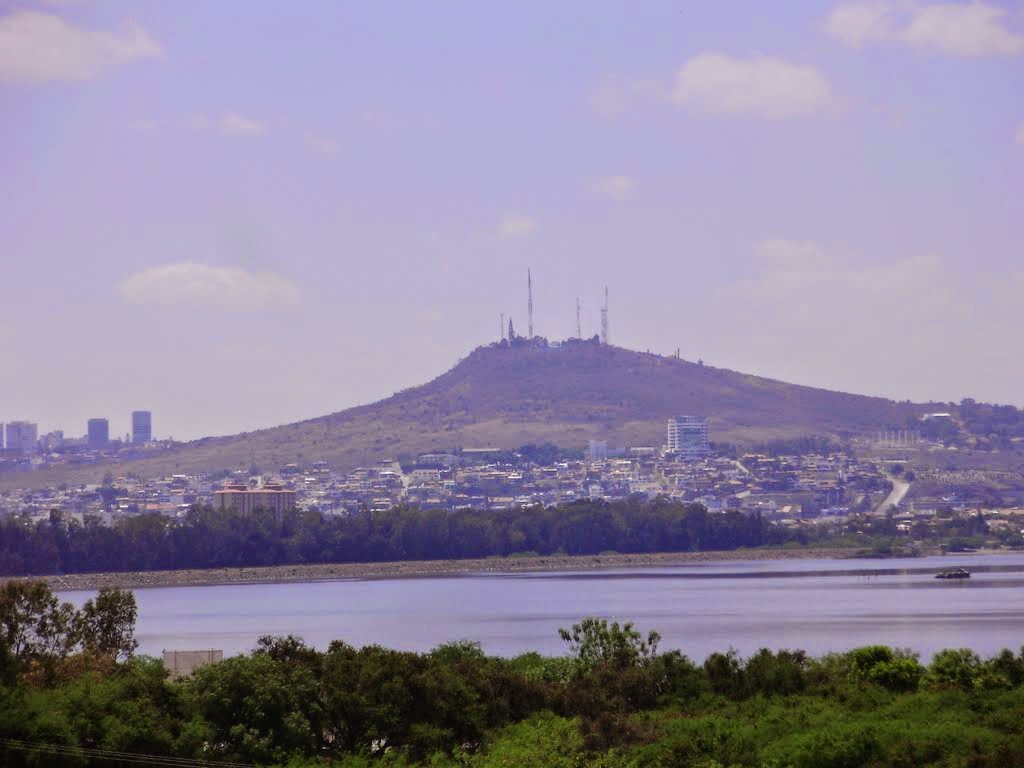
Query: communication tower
[[604, 318], [529, 304], [579, 328]]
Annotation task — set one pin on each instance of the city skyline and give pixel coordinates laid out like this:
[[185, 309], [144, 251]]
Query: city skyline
[[139, 432], [343, 202]]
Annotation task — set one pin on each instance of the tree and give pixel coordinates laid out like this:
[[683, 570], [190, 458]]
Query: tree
[[595, 642], [106, 625], [256, 709], [34, 625]]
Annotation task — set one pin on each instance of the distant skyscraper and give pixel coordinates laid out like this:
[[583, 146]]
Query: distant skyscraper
[[1, 435], [688, 437], [142, 426], [22, 436], [99, 433]]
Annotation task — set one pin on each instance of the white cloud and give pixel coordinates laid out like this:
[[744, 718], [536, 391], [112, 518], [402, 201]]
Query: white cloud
[[38, 47], [615, 188], [761, 85], [957, 29], [861, 22], [800, 288], [190, 282], [322, 144], [830, 317], [236, 125], [963, 30], [517, 225]]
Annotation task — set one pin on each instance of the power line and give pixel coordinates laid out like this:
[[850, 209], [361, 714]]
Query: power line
[[137, 758]]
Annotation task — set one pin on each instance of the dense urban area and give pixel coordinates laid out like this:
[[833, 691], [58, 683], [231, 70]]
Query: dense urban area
[[903, 485]]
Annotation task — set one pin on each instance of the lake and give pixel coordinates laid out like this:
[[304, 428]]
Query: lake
[[815, 605]]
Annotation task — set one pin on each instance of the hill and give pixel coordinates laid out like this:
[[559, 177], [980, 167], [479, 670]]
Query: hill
[[506, 396]]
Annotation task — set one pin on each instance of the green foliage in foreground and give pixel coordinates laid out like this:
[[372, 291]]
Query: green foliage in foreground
[[614, 700]]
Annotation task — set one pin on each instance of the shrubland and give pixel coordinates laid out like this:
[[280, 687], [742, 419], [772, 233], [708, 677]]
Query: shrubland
[[73, 693]]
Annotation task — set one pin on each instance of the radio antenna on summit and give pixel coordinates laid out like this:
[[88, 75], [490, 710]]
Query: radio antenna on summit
[[604, 318], [529, 303], [579, 328]]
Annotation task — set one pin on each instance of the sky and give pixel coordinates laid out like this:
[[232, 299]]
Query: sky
[[240, 214]]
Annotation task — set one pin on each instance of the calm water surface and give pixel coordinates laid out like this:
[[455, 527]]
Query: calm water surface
[[816, 605]]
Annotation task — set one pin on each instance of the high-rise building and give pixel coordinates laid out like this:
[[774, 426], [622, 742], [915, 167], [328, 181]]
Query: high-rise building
[[1, 435], [98, 433], [22, 436], [142, 426], [688, 437]]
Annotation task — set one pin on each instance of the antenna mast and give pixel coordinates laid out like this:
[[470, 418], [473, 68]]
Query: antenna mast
[[501, 326], [529, 304], [604, 318], [579, 329]]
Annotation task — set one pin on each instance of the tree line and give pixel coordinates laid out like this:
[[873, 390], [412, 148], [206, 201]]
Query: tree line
[[615, 698], [209, 538]]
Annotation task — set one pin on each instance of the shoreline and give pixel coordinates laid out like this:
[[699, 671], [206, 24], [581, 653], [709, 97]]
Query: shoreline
[[282, 574]]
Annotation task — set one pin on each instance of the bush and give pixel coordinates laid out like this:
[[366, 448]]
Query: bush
[[959, 667], [775, 674], [595, 642], [898, 675], [835, 746], [724, 674]]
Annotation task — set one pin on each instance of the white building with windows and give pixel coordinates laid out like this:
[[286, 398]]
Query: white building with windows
[[688, 437]]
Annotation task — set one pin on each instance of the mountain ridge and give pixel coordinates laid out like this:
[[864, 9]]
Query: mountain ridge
[[506, 395]]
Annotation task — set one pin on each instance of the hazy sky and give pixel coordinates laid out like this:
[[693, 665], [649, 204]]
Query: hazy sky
[[238, 214]]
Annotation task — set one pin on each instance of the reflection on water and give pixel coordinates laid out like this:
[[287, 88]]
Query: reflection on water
[[816, 605]]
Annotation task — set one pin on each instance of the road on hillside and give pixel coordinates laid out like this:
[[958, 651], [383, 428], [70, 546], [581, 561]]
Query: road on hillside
[[895, 497]]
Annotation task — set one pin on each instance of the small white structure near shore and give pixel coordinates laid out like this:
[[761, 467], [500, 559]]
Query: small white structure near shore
[[181, 663]]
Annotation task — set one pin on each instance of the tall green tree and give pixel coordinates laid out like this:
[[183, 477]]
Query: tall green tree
[[106, 624]]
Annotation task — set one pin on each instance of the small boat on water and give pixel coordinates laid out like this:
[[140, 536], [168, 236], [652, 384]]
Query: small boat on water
[[959, 573]]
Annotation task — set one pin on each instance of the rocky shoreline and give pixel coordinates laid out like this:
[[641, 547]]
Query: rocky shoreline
[[423, 568]]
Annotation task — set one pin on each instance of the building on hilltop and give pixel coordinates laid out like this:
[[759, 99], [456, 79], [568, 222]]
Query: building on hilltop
[[688, 437], [142, 426], [98, 431], [245, 500], [52, 441], [22, 436]]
